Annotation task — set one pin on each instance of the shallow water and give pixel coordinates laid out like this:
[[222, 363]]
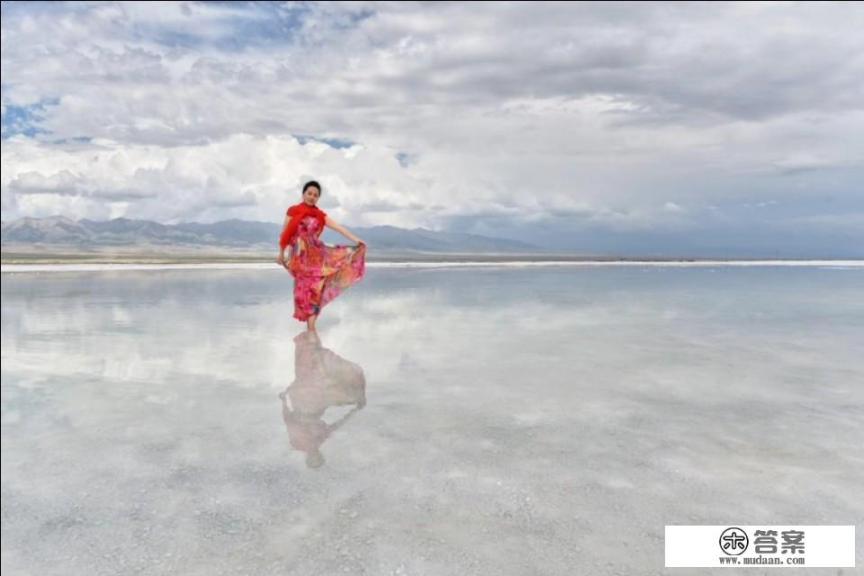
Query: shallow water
[[475, 420]]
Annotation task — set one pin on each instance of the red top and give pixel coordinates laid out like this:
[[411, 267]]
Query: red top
[[297, 213]]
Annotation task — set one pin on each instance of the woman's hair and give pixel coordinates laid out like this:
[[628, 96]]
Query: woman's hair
[[312, 183]]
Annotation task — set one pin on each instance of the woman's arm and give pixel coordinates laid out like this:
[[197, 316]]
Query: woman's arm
[[330, 223], [281, 257]]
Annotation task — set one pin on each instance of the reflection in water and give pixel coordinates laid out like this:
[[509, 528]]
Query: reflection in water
[[322, 379], [650, 376]]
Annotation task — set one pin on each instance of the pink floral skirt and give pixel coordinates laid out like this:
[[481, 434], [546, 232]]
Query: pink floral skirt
[[322, 272]]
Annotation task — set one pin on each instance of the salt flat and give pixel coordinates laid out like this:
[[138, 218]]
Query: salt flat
[[453, 420]]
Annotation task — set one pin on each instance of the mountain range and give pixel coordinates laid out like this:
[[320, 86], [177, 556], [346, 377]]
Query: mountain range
[[234, 234]]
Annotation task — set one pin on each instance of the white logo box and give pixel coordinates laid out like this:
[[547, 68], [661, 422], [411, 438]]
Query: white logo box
[[699, 547]]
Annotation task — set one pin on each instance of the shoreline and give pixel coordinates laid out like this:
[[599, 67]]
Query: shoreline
[[8, 268], [17, 259], [10, 257]]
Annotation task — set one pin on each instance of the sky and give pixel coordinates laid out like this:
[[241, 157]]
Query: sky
[[600, 127]]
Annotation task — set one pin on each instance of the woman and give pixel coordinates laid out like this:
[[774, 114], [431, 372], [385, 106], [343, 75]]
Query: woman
[[320, 272]]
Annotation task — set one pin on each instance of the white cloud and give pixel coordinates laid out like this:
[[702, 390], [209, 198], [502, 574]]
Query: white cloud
[[616, 110], [255, 177]]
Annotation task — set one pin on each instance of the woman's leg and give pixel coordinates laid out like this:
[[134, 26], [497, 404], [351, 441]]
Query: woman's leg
[[316, 310], [316, 307]]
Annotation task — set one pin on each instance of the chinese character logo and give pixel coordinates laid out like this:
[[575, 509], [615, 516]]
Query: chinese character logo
[[765, 541], [793, 541], [733, 541]]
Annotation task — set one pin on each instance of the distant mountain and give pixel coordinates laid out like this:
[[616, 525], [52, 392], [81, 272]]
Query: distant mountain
[[124, 232]]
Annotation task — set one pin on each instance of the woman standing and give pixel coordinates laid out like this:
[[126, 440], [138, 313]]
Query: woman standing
[[320, 272]]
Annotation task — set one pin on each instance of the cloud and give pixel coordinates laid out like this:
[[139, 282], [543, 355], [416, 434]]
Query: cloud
[[241, 176], [418, 116], [804, 162]]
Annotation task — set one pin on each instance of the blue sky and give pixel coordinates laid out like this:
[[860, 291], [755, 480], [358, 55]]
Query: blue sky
[[628, 128]]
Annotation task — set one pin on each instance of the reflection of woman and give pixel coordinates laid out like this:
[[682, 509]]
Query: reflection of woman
[[321, 272], [322, 379]]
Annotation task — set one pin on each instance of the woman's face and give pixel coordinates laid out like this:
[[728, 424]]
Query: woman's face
[[310, 196]]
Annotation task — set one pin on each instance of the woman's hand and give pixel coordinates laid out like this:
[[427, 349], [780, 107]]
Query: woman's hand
[[280, 259]]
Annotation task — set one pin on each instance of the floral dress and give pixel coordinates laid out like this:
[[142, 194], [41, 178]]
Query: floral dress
[[321, 272]]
